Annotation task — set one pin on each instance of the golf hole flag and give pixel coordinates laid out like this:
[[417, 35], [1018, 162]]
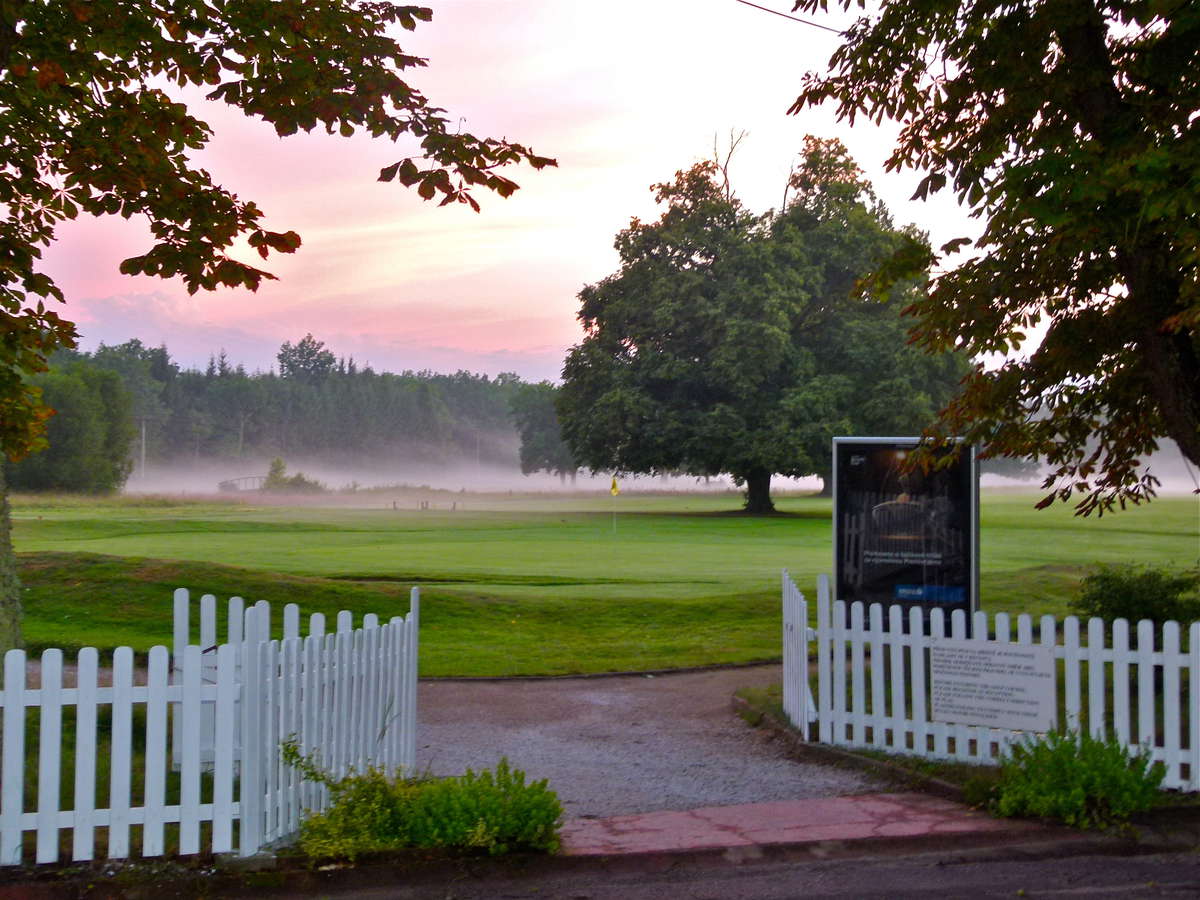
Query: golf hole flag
[[614, 490]]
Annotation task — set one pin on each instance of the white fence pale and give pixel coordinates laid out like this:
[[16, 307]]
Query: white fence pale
[[215, 713], [797, 696], [873, 682]]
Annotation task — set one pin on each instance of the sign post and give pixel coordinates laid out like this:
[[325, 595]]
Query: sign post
[[908, 538]]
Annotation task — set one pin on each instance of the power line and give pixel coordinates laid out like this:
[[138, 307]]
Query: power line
[[776, 12]]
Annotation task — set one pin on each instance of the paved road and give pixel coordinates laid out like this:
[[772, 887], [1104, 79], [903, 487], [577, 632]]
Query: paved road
[[622, 745], [924, 877]]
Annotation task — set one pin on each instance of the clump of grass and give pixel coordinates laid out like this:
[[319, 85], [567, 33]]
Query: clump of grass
[[489, 812], [1083, 781]]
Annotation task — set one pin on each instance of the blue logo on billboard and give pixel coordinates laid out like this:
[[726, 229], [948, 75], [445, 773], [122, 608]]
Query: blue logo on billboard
[[939, 594]]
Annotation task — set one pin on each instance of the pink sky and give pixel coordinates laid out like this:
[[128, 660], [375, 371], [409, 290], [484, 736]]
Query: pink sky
[[622, 94]]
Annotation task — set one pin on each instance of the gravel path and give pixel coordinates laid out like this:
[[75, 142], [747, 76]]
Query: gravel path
[[621, 745]]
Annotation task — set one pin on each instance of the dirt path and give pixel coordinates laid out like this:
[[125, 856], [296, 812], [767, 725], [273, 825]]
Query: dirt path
[[629, 744]]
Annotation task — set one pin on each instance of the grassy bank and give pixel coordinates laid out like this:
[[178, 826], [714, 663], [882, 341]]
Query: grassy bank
[[528, 584]]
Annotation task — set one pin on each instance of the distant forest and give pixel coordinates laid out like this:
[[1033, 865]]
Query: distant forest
[[120, 401], [129, 404]]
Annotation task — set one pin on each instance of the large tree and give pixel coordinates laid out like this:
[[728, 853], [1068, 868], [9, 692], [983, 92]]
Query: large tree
[[89, 123], [1071, 128], [735, 343]]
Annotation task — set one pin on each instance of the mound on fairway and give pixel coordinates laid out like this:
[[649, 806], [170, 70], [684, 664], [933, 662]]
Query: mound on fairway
[[87, 599]]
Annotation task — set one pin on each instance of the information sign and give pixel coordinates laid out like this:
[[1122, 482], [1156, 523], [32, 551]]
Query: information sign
[[904, 537], [994, 684]]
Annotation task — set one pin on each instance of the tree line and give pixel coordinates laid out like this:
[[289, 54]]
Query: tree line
[[126, 404]]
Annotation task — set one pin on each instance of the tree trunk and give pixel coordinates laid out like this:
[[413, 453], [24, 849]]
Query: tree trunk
[[10, 586], [758, 492]]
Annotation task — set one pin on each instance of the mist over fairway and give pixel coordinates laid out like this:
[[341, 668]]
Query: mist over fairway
[[457, 473], [452, 475]]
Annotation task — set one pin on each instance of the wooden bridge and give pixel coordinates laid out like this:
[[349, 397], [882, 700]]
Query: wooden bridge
[[244, 483]]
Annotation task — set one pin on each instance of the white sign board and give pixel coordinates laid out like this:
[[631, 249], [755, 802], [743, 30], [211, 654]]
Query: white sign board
[[994, 684]]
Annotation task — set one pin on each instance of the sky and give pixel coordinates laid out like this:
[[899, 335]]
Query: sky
[[622, 94]]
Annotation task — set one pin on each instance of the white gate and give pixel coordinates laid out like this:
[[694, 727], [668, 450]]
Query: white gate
[[216, 715]]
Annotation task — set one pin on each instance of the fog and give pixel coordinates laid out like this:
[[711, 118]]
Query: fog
[[203, 477]]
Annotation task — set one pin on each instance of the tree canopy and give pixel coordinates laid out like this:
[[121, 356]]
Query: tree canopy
[[91, 121], [348, 416], [536, 418], [1071, 129], [89, 437], [307, 359], [734, 343]]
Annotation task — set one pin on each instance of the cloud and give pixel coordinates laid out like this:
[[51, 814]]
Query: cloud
[[623, 95], [407, 335]]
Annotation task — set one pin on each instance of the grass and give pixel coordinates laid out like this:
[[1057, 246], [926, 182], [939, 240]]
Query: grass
[[529, 584]]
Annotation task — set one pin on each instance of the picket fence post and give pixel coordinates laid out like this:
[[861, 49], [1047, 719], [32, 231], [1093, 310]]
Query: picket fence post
[[250, 785], [824, 662]]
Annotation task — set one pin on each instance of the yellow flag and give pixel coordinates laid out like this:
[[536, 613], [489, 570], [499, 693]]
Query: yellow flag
[[614, 489]]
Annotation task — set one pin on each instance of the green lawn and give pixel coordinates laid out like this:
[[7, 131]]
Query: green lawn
[[524, 584]]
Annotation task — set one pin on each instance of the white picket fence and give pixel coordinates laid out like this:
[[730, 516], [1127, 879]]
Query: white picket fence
[[873, 682], [797, 694], [215, 713]]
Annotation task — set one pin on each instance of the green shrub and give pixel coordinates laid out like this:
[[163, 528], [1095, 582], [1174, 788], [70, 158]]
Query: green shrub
[[1083, 781], [1140, 592], [492, 812], [278, 481], [369, 813]]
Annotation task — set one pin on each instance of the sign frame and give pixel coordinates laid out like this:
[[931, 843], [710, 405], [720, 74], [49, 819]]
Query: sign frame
[[966, 469]]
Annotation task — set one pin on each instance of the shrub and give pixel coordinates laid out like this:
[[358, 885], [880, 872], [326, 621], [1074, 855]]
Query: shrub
[[1078, 779], [369, 813], [278, 481], [373, 811], [493, 812], [1140, 592]]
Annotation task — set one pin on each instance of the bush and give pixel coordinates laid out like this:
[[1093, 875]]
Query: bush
[[1083, 781], [278, 481], [371, 812], [1139, 592]]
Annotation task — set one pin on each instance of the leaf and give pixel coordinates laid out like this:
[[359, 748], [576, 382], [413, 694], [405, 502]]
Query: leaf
[[409, 173], [49, 72]]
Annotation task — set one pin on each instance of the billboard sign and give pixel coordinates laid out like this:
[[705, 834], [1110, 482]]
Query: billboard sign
[[904, 537]]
